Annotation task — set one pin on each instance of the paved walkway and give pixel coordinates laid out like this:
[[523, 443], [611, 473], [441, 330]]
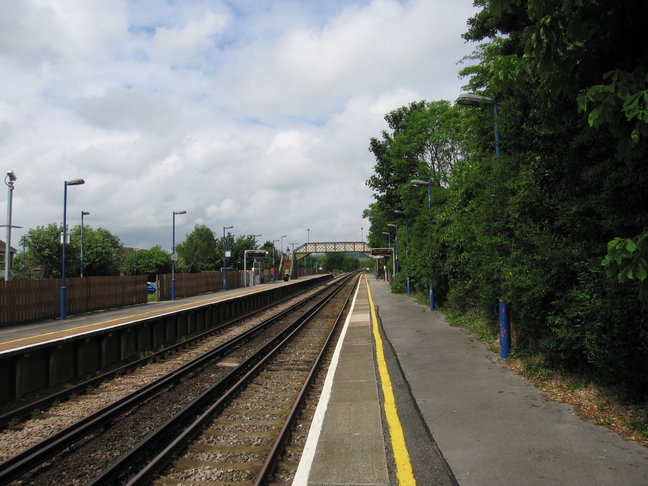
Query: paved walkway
[[491, 425]]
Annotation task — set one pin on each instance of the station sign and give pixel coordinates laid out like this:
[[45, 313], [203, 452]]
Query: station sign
[[381, 251]]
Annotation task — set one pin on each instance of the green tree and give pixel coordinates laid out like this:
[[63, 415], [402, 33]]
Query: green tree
[[199, 250], [150, 262], [45, 249], [100, 251]]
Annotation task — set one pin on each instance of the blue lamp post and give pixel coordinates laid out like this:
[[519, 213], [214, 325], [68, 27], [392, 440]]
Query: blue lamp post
[[274, 270], [418, 182], [225, 258], [388, 233], [83, 213], [174, 257], [409, 283], [470, 99], [281, 243], [395, 226], [294, 272], [63, 294]]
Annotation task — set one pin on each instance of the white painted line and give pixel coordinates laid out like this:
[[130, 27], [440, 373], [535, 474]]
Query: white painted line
[[308, 454]]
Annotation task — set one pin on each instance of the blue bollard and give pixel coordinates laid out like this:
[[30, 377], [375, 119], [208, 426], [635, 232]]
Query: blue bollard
[[432, 303], [505, 331]]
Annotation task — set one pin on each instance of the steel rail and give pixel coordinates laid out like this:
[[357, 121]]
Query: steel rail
[[18, 465], [79, 388], [277, 448], [252, 364]]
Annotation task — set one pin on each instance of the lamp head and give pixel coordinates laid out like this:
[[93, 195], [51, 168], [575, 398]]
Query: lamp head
[[419, 182], [180, 212], [84, 213], [12, 177], [75, 182], [471, 99]]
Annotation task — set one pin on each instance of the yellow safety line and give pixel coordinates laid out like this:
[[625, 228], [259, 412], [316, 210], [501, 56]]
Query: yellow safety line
[[132, 316], [404, 472]]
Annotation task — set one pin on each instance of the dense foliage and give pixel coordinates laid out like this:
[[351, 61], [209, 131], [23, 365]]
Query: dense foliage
[[557, 222], [100, 249]]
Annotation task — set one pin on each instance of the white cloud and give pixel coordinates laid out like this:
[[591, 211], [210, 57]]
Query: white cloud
[[252, 114]]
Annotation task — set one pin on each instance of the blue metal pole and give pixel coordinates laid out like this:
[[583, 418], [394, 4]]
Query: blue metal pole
[[62, 300], [497, 136], [81, 272], [224, 263], [505, 331], [173, 295], [409, 283], [432, 303]]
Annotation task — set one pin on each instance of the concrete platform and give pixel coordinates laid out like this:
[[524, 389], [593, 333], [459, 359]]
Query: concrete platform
[[463, 418]]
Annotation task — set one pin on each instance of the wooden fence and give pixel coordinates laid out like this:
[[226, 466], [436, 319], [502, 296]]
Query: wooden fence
[[35, 300], [188, 284]]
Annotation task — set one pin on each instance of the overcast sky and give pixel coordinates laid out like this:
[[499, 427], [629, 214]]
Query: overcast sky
[[255, 114]]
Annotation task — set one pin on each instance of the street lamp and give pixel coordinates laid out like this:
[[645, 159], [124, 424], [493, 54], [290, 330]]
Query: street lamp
[[225, 258], [254, 240], [409, 284], [10, 178], [293, 267], [281, 244], [273, 259], [362, 234], [63, 295], [395, 226], [418, 182], [83, 213], [471, 99], [174, 257]]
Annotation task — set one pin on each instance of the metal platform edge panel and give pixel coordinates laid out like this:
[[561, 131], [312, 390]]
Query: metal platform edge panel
[[56, 362]]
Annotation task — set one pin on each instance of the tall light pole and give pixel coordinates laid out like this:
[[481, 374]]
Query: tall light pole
[[274, 270], [63, 295], [362, 233], [418, 182], [471, 99], [388, 233], [225, 258], [281, 247], [409, 283], [174, 257], [254, 240], [293, 267], [83, 213], [10, 178], [395, 226]]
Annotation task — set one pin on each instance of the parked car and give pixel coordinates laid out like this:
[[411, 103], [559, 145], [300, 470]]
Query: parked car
[[151, 287]]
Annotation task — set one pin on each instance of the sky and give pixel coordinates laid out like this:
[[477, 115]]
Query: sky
[[255, 114]]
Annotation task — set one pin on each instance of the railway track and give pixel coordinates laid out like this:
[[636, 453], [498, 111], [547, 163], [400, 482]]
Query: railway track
[[108, 447]]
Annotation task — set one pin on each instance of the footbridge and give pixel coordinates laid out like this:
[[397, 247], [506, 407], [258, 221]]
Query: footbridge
[[332, 247], [289, 261]]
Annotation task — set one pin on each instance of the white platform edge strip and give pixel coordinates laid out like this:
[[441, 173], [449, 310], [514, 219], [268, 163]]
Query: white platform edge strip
[[308, 454]]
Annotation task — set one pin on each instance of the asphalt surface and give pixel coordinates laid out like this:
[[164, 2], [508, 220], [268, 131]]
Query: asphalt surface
[[489, 425]]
